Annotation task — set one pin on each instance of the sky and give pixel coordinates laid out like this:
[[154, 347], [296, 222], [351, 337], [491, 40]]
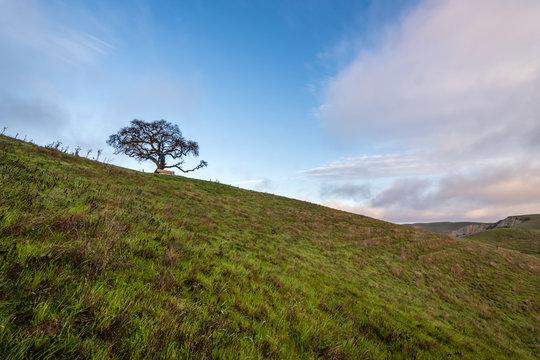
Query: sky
[[403, 110]]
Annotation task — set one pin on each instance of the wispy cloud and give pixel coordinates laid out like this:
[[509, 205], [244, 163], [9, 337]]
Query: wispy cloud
[[27, 26], [375, 166], [46, 51], [59, 78]]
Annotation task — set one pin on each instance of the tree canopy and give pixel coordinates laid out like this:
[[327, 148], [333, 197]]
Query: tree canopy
[[155, 141]]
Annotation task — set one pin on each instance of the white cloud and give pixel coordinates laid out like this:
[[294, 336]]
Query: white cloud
[[456, 86], [486, 193], [455, 74]]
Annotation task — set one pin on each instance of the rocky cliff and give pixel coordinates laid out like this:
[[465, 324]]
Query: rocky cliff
[[471, 229], [510, 221]]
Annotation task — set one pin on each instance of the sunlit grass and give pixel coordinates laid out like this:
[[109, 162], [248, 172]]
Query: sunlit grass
[[104, 262], [524, 239]]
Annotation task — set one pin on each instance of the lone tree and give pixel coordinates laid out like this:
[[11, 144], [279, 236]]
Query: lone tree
[[155, 141]]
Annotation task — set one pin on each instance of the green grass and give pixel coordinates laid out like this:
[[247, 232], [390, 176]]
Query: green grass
[[522, 239], [532, 223], [103, 262], [445, 227]]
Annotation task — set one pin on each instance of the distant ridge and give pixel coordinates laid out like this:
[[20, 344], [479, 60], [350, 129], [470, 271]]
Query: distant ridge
[[518, 232], [462, 229], [443, 227]]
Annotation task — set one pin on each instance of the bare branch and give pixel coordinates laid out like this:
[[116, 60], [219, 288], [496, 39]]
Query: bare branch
[[201, 165], [155, 141]]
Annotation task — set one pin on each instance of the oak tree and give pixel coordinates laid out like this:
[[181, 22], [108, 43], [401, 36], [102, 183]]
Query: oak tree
[[155, 141]]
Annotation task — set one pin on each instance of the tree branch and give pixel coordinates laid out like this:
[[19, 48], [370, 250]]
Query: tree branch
[[201, 165]]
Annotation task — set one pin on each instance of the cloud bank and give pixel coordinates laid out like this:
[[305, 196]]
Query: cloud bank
[[455, 73], [456, 85], [487, 194]]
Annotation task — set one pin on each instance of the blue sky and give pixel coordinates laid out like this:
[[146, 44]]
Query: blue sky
[[403, 110]]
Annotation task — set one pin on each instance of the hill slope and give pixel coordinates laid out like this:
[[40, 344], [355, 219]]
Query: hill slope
[[459, 229], [443, 227], [532, 221], [522, 239], [521, 232], [104, 262]]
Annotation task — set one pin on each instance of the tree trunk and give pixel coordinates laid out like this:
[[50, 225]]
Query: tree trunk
[[160, 163]]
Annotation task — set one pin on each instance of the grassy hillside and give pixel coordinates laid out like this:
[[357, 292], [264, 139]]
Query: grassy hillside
[[524, 237], [533, 222], [521, 239], [103, 262]]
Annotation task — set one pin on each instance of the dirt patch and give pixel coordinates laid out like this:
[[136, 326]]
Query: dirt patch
[[50, 327]]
